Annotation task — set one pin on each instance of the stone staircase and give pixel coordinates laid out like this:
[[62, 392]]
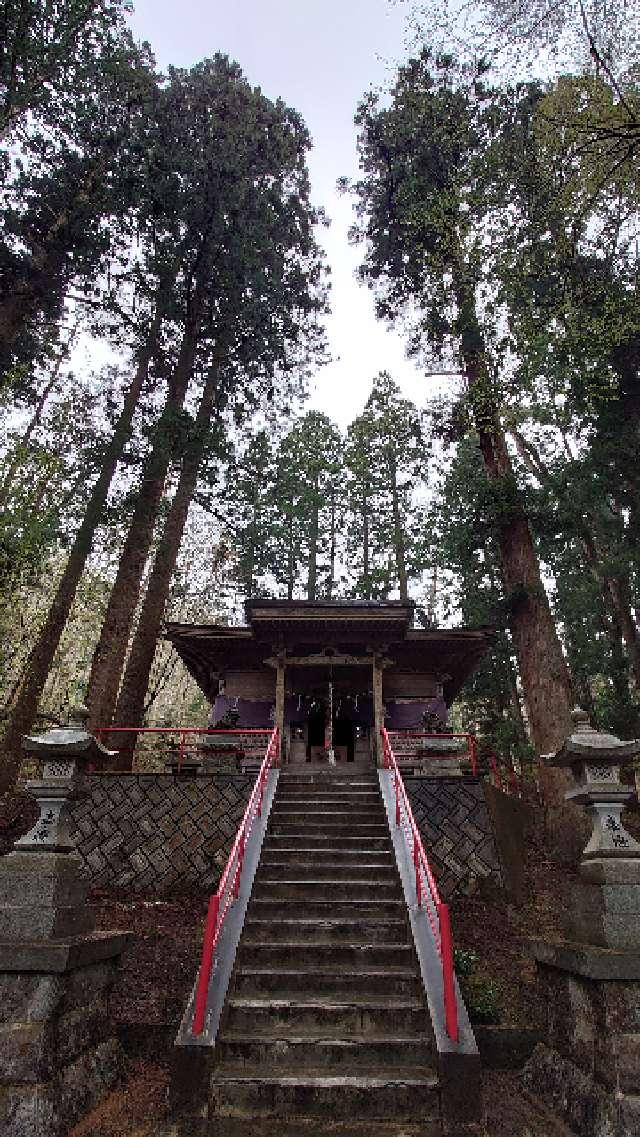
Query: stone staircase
[[325, 1029]]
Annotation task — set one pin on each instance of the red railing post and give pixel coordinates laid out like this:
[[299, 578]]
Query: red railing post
[[436, 912], [448, 983], [236, 883], [416, 862], [204, 974]]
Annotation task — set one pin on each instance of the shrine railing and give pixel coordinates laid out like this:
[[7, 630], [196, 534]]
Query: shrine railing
[[182, 745], [426, 889], [413, 746], [229, 886]]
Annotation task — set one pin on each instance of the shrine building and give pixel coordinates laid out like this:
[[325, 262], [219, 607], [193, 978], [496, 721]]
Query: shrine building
[[329, 673]]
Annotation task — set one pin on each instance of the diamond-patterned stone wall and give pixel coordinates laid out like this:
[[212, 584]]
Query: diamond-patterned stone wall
[[454, 821], [159, 833], [164, 834]]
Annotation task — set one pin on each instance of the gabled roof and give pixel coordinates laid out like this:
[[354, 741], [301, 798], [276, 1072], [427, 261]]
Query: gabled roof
[[306, 626]]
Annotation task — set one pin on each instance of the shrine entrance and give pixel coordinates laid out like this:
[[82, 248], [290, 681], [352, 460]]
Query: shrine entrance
[[328, 673]]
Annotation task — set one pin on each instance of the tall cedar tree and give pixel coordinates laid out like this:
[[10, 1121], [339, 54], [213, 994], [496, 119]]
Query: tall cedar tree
[[307, 493], [72, 175], [413, 203], [386, 455], [251, 321]]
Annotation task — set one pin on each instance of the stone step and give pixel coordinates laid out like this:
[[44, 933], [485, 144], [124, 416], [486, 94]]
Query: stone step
[[353, 931], [394, 981], [307, 815], [374, 1094], [252, 1126], [321, 840], [328, 797], [357, 775], [325, 955], [317, 824], [329, 804], [270, 1017], [352, 869], [323, 909], [293, 887], [279, 852], [312, 1051]]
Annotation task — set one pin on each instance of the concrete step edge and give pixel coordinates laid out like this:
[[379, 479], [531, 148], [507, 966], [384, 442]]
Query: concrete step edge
[[253, 1002], [364, 1079]]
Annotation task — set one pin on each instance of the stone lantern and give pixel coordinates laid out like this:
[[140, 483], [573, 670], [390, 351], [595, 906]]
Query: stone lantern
[[58, 1047], [588, 1068], [595, 760], [68, 753], [605, 907]]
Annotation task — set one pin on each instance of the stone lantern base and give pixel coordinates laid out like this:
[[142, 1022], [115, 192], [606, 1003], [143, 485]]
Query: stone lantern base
[[605, 906], [588, 1071], [58, 1049]]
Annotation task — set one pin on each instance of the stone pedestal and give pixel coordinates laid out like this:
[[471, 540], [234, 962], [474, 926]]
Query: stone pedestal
[[588, 1070], [58, 1048]]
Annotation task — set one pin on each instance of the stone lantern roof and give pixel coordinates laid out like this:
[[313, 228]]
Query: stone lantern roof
[[587, 744]]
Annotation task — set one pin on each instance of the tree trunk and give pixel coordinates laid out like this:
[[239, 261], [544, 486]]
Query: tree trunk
[[398, 532], [290, 559], [616, 589], [516, 705], [130, 707], [312, 577], [332, 545], [250, 565], [546, 681], [366, 569], [41, 657], [109, 656], [17, 459]]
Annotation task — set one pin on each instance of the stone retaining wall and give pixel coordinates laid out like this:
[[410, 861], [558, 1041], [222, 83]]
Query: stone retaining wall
[[159, 833], [456, 828]]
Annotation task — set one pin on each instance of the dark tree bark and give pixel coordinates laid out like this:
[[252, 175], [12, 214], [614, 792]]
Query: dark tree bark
[[290, 554], [25, 704], [616, 590], [398, 532], [546, 681], [109, 656], [18, 456], [332, 545], [130, 706], [312, 577], [366, 556]]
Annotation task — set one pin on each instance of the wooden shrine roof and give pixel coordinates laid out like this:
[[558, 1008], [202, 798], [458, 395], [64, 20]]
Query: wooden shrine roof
[[357, 628]]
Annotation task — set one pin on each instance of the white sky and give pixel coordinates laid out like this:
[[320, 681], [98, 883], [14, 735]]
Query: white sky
[[320, 56]]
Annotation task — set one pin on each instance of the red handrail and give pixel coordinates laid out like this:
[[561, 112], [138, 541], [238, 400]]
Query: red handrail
[[229, 886], [437, 912], [471, 742]]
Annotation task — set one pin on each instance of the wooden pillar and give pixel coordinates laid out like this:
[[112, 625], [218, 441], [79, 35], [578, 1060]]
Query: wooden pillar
[[378, 715], [280, 676]]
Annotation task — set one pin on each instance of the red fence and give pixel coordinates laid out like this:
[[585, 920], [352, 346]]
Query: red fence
[[189, 741], [427, 895], [409, 741], [229, 886]]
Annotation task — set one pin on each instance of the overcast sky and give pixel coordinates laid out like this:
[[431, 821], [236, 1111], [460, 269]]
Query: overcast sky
[[320, 56]]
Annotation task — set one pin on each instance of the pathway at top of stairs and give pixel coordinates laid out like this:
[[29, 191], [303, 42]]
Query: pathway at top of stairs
[[325, 1029]]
